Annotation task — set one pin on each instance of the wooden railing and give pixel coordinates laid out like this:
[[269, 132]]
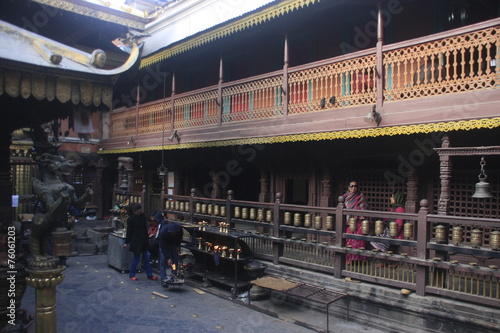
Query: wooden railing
[[456, 61], [428, 260]]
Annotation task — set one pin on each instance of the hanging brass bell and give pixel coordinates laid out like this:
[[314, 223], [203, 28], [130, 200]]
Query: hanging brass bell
[[483, 189]]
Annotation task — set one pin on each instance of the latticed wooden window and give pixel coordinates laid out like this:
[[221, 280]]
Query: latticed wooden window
[[22, 173]]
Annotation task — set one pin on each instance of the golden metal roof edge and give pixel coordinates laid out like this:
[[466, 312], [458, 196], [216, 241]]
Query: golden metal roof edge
[[99, 12], [227, 29], [466, 125]]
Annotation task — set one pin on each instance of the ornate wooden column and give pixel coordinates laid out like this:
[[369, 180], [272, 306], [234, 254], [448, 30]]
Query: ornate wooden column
[[97, 197], [264, 188], [411, 193], [445, 176]]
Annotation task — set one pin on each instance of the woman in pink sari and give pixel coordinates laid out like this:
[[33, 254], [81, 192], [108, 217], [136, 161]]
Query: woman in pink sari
[[355, 200]]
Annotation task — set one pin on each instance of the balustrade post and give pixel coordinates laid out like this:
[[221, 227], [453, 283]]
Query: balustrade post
[[423, 238], [219, 92], [284, 88], [380, 59], [277, 246], [191, 205], [162, 199], [230, 197], [340, 225]]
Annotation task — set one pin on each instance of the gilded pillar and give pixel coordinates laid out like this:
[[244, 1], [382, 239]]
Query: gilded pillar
[[44, 276]]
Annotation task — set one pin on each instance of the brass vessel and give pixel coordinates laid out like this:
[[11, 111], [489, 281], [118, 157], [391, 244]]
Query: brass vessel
[[408, 230], [353, 224], [237, 212], [329, 222], [457, 235], [297, 220], [379, 227], [495, 240], [365, 227], [307, 220], [288, 218], [476, 238], [317, 222], [393, 229], [441, 234]]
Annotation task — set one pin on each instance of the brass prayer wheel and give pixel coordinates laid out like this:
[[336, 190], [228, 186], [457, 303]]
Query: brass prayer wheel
[[441, 234], [379, 227], [297, 220], [222, 210], [393, 229], [204, 208], [269, 215], [167, 204], [365, 227], [408, 230], [181, 206], [329, 222], [353, 224], [244, 213], [495, 240], [288, 218], [252, 214], [209, 209], [176, 205], [307, 220], [216, 210], [198, 207], [260, 214], [457, 235], [317, 222], [476, 238], [237, 212]]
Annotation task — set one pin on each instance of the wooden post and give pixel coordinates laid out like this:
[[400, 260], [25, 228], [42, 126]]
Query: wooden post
[[219, 91], [380, 60], [277, 246], [284, 88], [423, 237], [172, 107], [339, 239]]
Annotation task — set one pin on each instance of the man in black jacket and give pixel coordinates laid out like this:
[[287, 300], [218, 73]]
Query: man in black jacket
[[170, 242]]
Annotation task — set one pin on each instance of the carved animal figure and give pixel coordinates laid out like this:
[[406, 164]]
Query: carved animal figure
[[55, 196]]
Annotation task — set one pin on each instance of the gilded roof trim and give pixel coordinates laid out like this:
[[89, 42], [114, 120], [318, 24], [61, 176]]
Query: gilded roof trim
[[99, 12], [225, 30], [464, 125]]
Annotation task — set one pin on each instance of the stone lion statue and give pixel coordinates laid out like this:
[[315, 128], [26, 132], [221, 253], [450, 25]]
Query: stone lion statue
[[55, 197]]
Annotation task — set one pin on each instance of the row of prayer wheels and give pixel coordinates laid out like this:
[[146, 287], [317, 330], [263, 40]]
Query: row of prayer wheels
[[256, 214], [180, 206], [307, 222], [366, 228], [457, 237]]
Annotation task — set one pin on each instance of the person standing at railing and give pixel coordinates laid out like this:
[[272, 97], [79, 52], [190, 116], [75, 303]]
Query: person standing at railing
[[355, 200]]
